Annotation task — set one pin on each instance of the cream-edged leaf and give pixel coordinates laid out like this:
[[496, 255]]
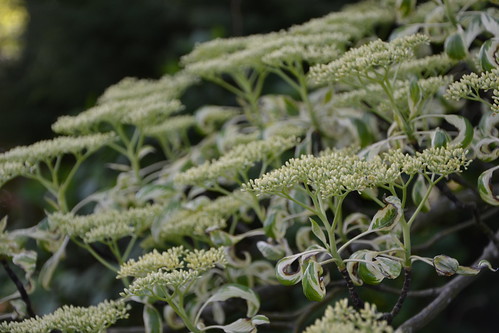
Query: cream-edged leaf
[[284, 270], [387, 217], [485, 187], [312, 283]]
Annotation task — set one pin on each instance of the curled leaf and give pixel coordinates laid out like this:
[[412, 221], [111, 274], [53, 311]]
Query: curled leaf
[[485, 187], [312, 282], [285, 273], [487, 54]]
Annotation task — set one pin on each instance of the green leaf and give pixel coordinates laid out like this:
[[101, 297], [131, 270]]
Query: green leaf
[[318, 232], [405, 7], [313, 286], [369, 271], [362, 132], [284, 273], [439, 138], [50, 265], [455, 47], [387, 217], [152, 319], [419, 189], [463, 125], [240, 291], [485, 187], [487, 54]]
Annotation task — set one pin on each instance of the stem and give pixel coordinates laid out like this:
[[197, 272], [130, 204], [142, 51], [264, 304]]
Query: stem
[[356, 301], [403, 294], [20, 287]]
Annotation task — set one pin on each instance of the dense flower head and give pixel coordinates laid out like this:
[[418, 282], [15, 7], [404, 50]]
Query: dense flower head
[[170, 87], [155, 271], [338, 172], [236, 160], [49, 149], [259, 46], [105, 225], [9, 170], [367, 58], [346, 319], [139, 112], [333, 173], [355, 21], [469, 85], [168, 260], [72, 319]]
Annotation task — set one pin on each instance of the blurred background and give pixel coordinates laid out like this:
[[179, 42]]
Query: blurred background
[[58, 56]]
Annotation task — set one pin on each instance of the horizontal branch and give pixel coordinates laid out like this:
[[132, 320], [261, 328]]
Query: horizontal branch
[[447, 293]]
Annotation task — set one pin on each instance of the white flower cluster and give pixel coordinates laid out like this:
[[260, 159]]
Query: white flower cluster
[[339, 172], [441, 161], [363, 60], [345, 319], [139, 112], [469, 85], [153, 261], [169, 87], [355, 20], [258, 46], [154, 277], [49, 149], [195, 222], [236, 160], [331, 174], [93, 319], [105, 225], [9, 170]]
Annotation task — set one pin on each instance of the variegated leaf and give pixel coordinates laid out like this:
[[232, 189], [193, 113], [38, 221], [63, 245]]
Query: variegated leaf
[[312, 283], [485, 187], [284, 271], [387, 217]]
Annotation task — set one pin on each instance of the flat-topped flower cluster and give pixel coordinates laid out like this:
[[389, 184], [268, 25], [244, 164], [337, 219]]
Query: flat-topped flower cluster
[[157, 272], [337, 172], [68, 318]]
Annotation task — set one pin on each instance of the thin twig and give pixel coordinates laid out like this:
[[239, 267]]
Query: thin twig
[[403, 294], [20, 287], [356, 301], [447, 294]]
